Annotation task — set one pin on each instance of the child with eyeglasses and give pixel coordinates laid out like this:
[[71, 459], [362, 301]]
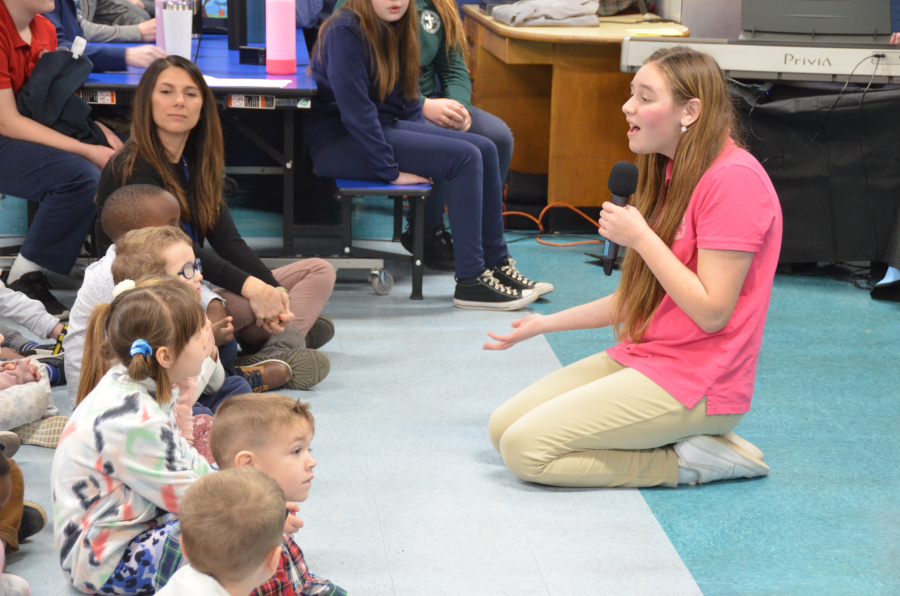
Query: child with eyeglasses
[[139, 207]]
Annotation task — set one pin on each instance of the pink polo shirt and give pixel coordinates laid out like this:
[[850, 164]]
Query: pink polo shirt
[[734, 207]]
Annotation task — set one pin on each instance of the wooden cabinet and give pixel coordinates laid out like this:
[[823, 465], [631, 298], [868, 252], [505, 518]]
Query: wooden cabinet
[[561, 92]]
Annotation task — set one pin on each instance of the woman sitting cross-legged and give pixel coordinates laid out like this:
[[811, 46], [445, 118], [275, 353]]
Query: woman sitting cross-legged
[[176, 144], [703, 239]]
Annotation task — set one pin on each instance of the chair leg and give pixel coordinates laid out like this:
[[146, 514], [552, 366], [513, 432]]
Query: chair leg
[[398, 218], [346, 225], [417, 207]]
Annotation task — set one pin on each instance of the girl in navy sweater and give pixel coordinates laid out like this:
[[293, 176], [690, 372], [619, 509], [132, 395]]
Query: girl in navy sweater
[[367, 123]]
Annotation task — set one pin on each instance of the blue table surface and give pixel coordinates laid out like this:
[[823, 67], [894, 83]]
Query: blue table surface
[[218, 61]]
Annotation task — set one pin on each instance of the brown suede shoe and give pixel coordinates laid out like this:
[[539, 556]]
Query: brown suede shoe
[[266, 375], [320, 333]]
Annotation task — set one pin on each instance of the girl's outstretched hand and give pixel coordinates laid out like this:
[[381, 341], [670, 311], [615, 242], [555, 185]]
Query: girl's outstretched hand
[[524, 329], [405, 178]]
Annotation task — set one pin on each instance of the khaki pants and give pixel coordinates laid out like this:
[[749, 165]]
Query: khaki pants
[[598, 423]]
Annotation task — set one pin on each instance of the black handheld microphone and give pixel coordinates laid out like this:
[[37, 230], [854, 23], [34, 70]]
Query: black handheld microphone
[[623, 180]]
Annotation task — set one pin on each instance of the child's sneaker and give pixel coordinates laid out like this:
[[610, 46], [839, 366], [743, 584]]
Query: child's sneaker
[[308, 367], [507, 273], [486, 292], [34, 519], [265, 375], [10, 442]]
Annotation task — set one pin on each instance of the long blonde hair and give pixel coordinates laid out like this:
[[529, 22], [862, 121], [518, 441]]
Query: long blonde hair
[[454, 32], [689, 74], [165, 313], [393, 47]]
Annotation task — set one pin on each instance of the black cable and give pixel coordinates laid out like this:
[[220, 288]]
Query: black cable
[[862, 157], [824, 121]]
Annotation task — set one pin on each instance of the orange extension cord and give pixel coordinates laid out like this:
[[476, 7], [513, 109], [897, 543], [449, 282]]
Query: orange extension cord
[[540, 226]]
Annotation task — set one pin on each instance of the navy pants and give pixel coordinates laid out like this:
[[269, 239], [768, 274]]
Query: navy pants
[[486, 125], [65, 185], [471, 167], [208, 404]]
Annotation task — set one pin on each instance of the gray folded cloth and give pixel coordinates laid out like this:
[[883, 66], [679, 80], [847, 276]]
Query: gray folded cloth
[[549, 13]]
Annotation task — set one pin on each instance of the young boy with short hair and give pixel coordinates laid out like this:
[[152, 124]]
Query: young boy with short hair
[[271, 433], [231, 525]]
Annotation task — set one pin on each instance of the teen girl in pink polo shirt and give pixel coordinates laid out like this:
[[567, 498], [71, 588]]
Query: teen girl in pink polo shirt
[[703, 236]]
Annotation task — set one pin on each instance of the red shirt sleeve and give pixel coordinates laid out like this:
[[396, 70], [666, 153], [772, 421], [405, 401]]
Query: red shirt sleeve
[[6, 45], [735, 211]]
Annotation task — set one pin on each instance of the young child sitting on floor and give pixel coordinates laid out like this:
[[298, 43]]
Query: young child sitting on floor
[[25, 394], [122, 466], [271, 433], [139, 207], [163, 252], [26, 401], [231, 525]]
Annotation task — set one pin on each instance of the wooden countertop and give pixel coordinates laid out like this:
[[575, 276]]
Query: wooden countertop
[[611, 30]]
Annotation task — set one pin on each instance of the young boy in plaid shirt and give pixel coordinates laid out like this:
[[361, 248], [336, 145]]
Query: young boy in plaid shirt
[[272, 433], [231, 525]]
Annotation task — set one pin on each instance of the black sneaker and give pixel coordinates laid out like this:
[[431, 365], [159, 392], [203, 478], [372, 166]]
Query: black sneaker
[[506, 273], [437, 251], [33, 520], [36, 286], [486, 293]]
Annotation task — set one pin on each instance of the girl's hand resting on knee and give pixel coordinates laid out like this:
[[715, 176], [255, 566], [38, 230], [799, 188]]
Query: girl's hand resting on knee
[[525, 328], [447, 113], [404, 179]]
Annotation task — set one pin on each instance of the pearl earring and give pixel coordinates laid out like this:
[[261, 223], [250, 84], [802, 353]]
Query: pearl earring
[[683, 128]]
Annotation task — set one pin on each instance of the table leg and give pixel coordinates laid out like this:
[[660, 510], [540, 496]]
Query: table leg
[[288, 188]]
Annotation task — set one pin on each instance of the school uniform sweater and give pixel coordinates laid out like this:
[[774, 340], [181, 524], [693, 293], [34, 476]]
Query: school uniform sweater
[[435, 62], [120, 467], [348, 103], [67, 19]]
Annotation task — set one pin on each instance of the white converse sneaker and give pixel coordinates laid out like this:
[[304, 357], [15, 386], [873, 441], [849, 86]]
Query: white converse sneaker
[[714, 458], [745, 445]]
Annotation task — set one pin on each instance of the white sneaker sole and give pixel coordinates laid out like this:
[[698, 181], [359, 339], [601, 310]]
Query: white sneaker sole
[[745, 445], [715, 458], [543, 287], [501, 306]]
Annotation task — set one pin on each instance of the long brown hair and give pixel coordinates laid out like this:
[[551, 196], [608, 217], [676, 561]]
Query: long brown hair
[[393, 47], [204, 152], [690, 74], [139, 252], [166, 313], [454, 32]]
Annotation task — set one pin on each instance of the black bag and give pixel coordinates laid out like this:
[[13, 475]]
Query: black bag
[[49, 97]]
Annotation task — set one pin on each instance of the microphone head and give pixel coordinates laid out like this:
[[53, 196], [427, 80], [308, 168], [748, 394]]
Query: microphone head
[[623, 179]]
